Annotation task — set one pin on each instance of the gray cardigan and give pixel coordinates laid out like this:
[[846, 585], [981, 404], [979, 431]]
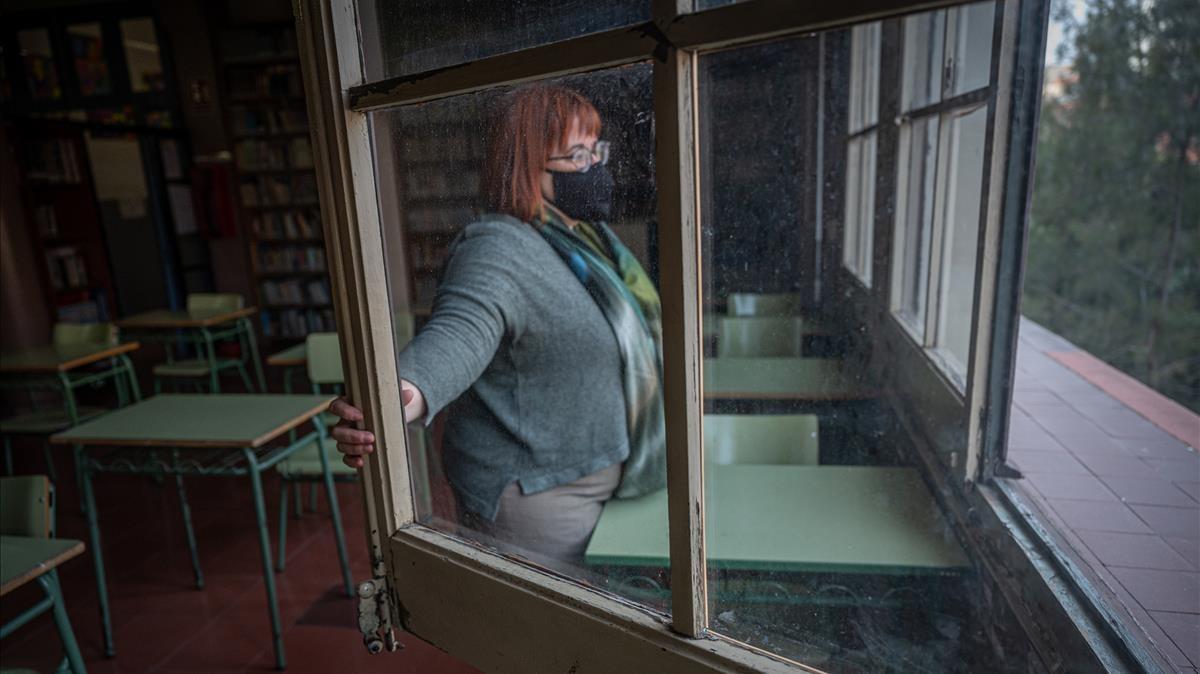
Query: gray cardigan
[[525, 361]]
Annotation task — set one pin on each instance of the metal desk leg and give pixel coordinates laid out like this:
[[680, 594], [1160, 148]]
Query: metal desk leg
[[131, 377], [264, 544], [89, 497], [49, 583], [258, 368], [334, 511], [187, 525], [73, 414], [214, 377]]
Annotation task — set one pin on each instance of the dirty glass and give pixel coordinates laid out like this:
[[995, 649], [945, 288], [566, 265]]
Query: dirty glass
[[432, 164], [964, 185], [924, 36], [87, 53], [971, 58], [825, 541], [411, 36], [914, 221], [142, 57]]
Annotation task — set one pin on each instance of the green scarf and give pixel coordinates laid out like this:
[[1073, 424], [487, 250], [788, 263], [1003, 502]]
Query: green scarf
[[627, 298]]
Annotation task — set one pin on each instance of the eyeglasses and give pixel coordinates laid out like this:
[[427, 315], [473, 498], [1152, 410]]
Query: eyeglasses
[[584, 159]]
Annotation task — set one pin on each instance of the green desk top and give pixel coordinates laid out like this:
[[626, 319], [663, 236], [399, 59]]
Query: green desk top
[[848, 519], [199, 420], [290, 357], [23, 559], [60, 358], [162, 319], [781, 379]]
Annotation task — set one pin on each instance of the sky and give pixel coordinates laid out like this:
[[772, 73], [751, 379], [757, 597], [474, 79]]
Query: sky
[[1055, 35]]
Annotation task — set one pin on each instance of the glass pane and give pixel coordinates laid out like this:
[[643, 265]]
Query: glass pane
[[853, 194], [825, 543], [87, 51], [972, 46], [964, 184], [141, 55], [402, 38], [41, 75], [914, 219], [866, 209], [924, 35], [528, 339], [864, 74]]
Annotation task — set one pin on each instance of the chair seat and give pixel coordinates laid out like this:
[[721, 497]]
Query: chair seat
[[46, 421], [306, 463], [192, 367]]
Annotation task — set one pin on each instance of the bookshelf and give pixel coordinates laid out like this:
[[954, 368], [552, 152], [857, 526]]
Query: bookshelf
[[65, 225], [276, 184], [439, 158]]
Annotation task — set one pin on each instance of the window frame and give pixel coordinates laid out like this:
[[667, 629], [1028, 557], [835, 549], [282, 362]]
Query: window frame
[[866, 43], [927, 330], [408, 558]]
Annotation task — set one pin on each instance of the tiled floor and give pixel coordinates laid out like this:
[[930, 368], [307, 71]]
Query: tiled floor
[[163, 624], [1121, 490]]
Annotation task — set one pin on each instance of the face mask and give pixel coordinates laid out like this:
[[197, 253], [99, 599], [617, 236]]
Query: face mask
[[584, 196]]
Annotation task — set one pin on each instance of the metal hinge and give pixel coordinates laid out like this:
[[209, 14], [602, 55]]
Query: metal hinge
[[374, 617]]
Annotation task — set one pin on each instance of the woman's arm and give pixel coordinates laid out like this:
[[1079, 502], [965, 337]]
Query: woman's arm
[[354, 443]]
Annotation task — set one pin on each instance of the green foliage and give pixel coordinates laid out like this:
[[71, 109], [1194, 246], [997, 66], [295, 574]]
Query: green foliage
[[1115, 224]]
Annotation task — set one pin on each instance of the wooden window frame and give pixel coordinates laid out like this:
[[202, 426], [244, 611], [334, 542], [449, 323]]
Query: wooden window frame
[[479, 605]]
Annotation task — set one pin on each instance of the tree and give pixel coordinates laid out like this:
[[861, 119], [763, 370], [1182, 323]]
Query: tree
[[1115, 225]]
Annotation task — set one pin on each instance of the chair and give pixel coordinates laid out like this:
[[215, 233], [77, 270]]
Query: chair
[[772, 439], [72, 334], [309, 463], [760, 337], [764, 304], [47, 422], [28, 547], [207, 365]]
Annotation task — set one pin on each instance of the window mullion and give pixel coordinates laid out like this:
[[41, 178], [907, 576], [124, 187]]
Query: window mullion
[[327, 37], [676, 162]]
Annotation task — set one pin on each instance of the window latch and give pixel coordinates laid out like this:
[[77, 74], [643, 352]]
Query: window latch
[[374, 617]]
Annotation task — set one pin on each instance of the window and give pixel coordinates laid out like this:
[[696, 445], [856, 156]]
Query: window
[[939, 183], [807, 521], [858, 244]]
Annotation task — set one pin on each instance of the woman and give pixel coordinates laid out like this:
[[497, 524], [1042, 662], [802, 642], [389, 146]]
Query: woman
[[543, 342]]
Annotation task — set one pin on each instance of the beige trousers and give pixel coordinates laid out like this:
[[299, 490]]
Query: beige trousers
[[552, 527]]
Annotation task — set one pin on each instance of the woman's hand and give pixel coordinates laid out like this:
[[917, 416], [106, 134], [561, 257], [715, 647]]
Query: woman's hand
[[353, 443]]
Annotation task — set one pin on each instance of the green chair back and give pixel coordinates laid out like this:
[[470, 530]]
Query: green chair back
[[324, 358], [764, 304], [773, 439], [754, 337], [26, 506], [76, 334], [214, 302]]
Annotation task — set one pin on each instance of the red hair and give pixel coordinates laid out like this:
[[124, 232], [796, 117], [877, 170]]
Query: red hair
[[530, 123]]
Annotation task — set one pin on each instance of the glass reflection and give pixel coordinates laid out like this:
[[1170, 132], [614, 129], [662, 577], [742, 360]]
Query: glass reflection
[[535, 366], [825, 541], [416, 35]]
